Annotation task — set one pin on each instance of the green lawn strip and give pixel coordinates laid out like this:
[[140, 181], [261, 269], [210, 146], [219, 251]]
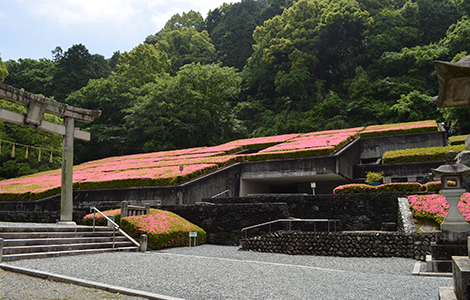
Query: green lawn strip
[[419, 154], [400, 128], [457, 139]]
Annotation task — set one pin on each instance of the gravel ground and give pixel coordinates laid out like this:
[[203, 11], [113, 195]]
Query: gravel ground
[[223, 272], [14, 286]]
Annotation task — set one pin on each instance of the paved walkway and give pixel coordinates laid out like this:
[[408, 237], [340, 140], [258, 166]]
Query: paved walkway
[[221, 272]]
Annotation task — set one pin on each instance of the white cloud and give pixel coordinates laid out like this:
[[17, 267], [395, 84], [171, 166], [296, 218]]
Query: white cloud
[[32, 28], [67, 13]]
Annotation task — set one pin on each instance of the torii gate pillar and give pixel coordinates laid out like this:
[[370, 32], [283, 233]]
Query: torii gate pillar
[[37, 106], [66, 195]]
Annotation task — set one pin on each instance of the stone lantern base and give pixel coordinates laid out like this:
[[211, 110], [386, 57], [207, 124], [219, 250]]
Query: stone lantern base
[[447, 244]]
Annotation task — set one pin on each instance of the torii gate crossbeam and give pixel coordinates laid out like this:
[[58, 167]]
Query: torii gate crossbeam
[[37, 106]]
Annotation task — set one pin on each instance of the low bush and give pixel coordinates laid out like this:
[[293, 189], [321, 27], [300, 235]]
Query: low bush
[[398, 187], [435, 207], [355, 188], [100, 220], [394, 187], [436, 186], [164, 229]]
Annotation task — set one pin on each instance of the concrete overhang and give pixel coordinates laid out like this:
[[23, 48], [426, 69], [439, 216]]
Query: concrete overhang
[[290, 177]]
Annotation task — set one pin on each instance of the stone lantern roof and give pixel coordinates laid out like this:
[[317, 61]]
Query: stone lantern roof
[[451, 168]]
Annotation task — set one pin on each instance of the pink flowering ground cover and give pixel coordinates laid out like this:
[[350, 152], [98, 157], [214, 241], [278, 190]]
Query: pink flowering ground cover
[[100, 220], [177, 166], [394, 187], [164, 229], [400, 128], [435, 207], [457, 139]]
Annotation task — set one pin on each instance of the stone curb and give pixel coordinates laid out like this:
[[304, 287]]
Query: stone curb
[[87, 283], [417, 272]]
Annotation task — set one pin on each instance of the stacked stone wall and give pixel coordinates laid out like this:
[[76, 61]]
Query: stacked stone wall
[[345, 244]]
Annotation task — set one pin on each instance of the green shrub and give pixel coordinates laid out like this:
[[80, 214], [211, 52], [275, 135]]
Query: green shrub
[[374, 177], [395, 187], [355, 188], [436, 186], [419, 154], [399, 187]]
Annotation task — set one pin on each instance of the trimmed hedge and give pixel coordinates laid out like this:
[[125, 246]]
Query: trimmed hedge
[[394, 187], [355, 188], [419, 154]]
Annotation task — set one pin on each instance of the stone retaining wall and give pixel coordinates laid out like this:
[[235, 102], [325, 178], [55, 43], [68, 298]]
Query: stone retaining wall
[[346, 244], [223, 222]]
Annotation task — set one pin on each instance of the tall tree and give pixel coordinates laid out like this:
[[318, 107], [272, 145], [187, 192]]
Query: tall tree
[[188, 110], [74, 68], [233, 34], [108, 132], [3, 70], [34, 76], [190, 19], [143, 64], [185, 46]]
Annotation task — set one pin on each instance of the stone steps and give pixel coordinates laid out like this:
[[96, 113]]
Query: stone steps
[[49, 241]]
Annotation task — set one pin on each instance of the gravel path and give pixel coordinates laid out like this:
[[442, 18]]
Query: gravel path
[[223, 272]]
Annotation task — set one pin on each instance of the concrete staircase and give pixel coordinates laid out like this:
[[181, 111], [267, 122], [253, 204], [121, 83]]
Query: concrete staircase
[[41, 242]]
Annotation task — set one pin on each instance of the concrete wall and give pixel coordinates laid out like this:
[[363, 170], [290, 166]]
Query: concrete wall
[[375, 147], [418, 169]]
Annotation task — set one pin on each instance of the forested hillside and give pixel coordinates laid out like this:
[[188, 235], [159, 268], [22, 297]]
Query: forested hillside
[[255, 68]]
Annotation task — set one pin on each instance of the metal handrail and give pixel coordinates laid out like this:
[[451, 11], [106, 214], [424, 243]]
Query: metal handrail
[[290, 220], [221, 193], [116, 226]]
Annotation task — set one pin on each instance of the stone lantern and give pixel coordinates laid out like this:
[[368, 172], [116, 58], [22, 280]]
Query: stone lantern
[[453, 171]]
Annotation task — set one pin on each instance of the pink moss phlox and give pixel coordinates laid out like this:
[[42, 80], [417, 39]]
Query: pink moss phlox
[[164, 229], [99, 219], [435, 206], [355, 188]]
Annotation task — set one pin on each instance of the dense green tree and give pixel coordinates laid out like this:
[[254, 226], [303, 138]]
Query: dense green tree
[[309, 30], [191, 19], [3, 70], [185, 46], [188, 110], [143, 64], [34, 76], [275, 8], [108, 132], [233, 34], [74, 68]]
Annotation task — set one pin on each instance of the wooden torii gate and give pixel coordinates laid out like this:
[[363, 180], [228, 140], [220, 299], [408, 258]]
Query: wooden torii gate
[[37, 106]]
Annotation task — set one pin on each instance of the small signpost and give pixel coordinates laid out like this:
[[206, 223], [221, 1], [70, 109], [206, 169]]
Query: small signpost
[[192, 235]]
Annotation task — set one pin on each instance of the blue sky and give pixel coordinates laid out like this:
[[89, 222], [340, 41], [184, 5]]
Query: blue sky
[[32, 28]]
